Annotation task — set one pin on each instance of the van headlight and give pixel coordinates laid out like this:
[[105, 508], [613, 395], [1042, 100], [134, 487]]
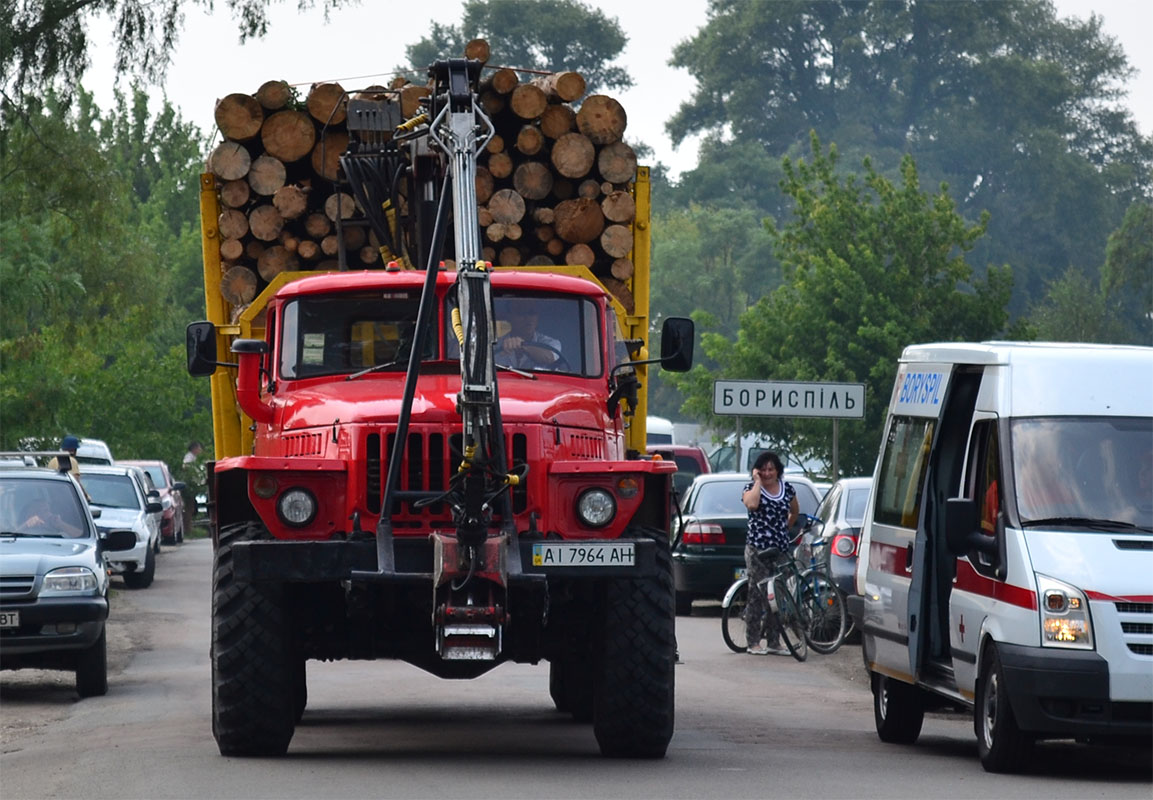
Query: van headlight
[[1064, 615], [296, 507], [69, 579], [596, 508]]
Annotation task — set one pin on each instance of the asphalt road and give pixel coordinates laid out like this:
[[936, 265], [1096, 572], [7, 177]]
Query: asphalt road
[[747, 726]]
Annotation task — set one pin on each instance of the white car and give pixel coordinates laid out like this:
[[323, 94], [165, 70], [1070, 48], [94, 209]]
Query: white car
[[122, 498]]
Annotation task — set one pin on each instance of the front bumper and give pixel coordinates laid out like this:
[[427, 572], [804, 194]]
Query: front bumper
[[1066, 694], [129, 560], [38, 638]]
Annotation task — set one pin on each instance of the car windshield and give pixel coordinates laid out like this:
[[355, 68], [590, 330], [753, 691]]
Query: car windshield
[[157, 475], [52, 508], [540, 333], [349, 333], [1094, 472], [111, 491], [719, 497]]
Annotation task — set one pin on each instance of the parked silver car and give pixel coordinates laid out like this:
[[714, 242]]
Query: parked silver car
[[53, 582], [122, 497]]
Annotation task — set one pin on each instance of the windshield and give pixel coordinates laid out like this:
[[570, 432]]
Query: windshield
[[112, 491], [339, 334], [541, 333], [156, 474], [41, 508], [1084, 469]]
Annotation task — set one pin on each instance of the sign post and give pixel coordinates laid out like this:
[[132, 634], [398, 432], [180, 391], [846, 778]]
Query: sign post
[[791, 399]]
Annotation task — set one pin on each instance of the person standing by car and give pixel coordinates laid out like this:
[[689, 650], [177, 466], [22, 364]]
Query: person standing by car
[[772, 505], [69, 444]]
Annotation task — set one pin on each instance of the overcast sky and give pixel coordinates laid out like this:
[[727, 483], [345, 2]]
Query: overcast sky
[[364, 43]]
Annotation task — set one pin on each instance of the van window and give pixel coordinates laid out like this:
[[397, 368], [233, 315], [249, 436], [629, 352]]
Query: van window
[[903, 469]]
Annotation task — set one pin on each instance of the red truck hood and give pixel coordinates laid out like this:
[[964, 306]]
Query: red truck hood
[[377, 399]]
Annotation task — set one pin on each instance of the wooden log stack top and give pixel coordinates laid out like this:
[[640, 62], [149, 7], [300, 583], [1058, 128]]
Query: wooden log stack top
[[554, 184]]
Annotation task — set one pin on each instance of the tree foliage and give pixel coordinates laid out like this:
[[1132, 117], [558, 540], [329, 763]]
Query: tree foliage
[[869, 267], [546, 35], [1016, 109]]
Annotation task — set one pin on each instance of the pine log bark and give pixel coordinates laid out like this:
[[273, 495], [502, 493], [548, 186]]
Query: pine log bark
[[317, 225], [540, 261], [494, 232], [528, 101], [232, 224], [273, 95], [529, 140], [266, 175], [617, 241], [506, 206], [477, 50], [288, 135], [503, 81], [265, 222], [274, 261], [617, 163], [590, 188], [326, 154], [622, 269], [619, 207], [564, 87], [493, 103], [410, 97], [580, 220], [483, 216], [326, 103], [621, 292], [495, 144], [231, 250], [339, 205], [369, 255], [555, 247], [354, 237], [602, 119], [253, 248], [229, 161], [573, 155], [307, 249], [238, 286], [238, 116], [500, 165], [532, 180], [510, 257], [291, 201], [235, 194], [557, 120], [543, 215], [580, 254], [484, 184]]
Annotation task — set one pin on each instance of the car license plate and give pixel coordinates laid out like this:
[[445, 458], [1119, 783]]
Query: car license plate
[[572, 554], [739, 573], [9, 619]]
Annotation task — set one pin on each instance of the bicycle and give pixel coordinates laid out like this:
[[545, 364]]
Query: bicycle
[[808, 605]]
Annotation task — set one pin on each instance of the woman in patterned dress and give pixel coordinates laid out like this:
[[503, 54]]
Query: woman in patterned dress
[[772, 505]]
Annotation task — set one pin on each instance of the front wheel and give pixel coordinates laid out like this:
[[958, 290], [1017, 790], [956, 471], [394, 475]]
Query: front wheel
[[733, 627], [828, 619], [898, 710], [92, 669], [793, 619], [142, 578], [1000, 743]]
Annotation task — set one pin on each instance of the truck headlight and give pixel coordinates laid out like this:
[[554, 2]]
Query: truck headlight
[[596, 508], [69, 579], [1064, 615], [296, 507]]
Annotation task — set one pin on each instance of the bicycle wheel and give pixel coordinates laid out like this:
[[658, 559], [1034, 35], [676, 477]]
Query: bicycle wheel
[[733, 621], [828, 620], [793, 619]]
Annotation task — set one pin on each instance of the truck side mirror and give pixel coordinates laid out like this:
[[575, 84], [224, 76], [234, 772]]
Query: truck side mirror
[[677, 344], [200, 340]]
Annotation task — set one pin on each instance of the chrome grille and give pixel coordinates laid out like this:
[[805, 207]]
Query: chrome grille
[[16, 585]]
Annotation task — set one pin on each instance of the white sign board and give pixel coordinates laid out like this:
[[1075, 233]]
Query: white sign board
[[789, 399]]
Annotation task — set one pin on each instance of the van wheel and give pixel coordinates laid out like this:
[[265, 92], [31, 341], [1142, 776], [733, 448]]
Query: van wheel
[[1000, 743], [898, 710]]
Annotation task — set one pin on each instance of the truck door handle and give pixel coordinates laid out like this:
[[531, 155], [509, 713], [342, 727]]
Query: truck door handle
[[909, 558]]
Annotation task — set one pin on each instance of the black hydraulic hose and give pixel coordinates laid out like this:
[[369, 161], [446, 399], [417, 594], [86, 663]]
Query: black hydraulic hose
[[427, 300]]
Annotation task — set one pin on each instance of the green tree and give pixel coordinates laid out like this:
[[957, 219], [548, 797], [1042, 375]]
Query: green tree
[[869, 267], [1127, 277], [546, 35], [1017, 109]]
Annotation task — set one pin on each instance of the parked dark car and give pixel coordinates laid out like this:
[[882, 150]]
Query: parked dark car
[[172, 521], [709, 537], [841, 513]]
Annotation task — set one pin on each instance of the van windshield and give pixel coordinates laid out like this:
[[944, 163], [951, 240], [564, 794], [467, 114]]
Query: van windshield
[[1094, 472]]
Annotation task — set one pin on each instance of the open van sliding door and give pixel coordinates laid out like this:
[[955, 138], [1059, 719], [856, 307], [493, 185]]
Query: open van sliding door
[[934, 567]]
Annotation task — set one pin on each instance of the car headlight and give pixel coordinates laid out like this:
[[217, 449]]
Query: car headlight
[[296, 507], [596, 508], [69, 579], [1064, 615]]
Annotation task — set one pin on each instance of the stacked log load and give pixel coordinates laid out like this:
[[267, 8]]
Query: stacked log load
[[554, 183]]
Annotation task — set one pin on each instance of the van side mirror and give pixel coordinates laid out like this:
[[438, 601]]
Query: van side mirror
[[200, 341], [963, 535], [677, 344]]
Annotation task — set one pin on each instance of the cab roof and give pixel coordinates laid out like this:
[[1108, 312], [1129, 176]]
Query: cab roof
[[378, 279]]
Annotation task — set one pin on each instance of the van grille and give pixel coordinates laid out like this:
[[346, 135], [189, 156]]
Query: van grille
[[1137, 626], [427, 462]]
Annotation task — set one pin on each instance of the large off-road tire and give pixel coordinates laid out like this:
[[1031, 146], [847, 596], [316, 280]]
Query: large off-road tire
[[556, 686], [142, 577], [898, 710], [254, 670], [570, 683], [92, 669], [299, 687], [633, 696], [1002, 746]]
